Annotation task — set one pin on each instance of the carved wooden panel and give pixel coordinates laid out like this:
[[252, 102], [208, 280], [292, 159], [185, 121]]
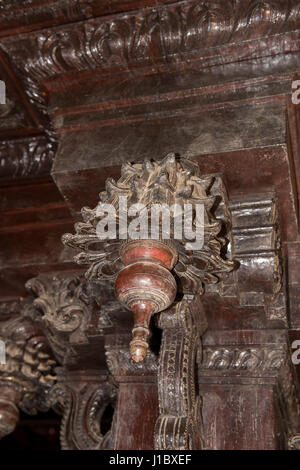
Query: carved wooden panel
[[92, 85], [179, 426]]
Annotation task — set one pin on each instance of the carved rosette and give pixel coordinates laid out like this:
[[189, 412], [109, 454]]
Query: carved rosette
[[179, 426], [143, 269]]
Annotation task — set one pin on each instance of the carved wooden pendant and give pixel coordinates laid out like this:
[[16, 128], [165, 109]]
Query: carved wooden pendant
[[145, 286], [141, 269]]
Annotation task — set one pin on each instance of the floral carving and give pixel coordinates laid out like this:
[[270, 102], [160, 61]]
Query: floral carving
[[151, 35], [64, 304], [168, 181]]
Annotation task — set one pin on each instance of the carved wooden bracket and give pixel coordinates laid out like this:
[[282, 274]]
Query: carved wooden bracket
[[27, 374], [141, 268], [256, 247], [179, 425], [67, 311], [63, 308]]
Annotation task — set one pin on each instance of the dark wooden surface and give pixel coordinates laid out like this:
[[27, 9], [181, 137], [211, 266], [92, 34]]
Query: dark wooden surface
[[93, 84]]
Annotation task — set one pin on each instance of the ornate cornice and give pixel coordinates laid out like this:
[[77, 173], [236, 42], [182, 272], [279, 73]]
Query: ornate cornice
[[149, 35], [35, 14], [163, 35]]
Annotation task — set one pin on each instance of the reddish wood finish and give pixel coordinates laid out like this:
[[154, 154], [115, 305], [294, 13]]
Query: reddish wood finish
[[145, 286], [94, 84], [131, 433]]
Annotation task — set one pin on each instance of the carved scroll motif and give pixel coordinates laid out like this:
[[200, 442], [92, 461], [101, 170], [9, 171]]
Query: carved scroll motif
[[83, 401], [64, 308], [179, 426], [63, 303]]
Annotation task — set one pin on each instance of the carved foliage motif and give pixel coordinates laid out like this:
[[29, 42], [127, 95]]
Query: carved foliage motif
[[67, 310], [152, 34], [179, 424], [169, 181], [63, 302], [243, 358]]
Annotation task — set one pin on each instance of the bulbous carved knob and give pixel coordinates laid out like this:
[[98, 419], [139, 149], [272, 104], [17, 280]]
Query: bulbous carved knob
[[145, 286]]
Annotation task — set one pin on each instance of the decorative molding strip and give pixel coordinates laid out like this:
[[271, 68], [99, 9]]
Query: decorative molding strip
[[263, 361], [36, 14], [28, 157], [33, 11], [120, 363], [252, 358], [150, 35]]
